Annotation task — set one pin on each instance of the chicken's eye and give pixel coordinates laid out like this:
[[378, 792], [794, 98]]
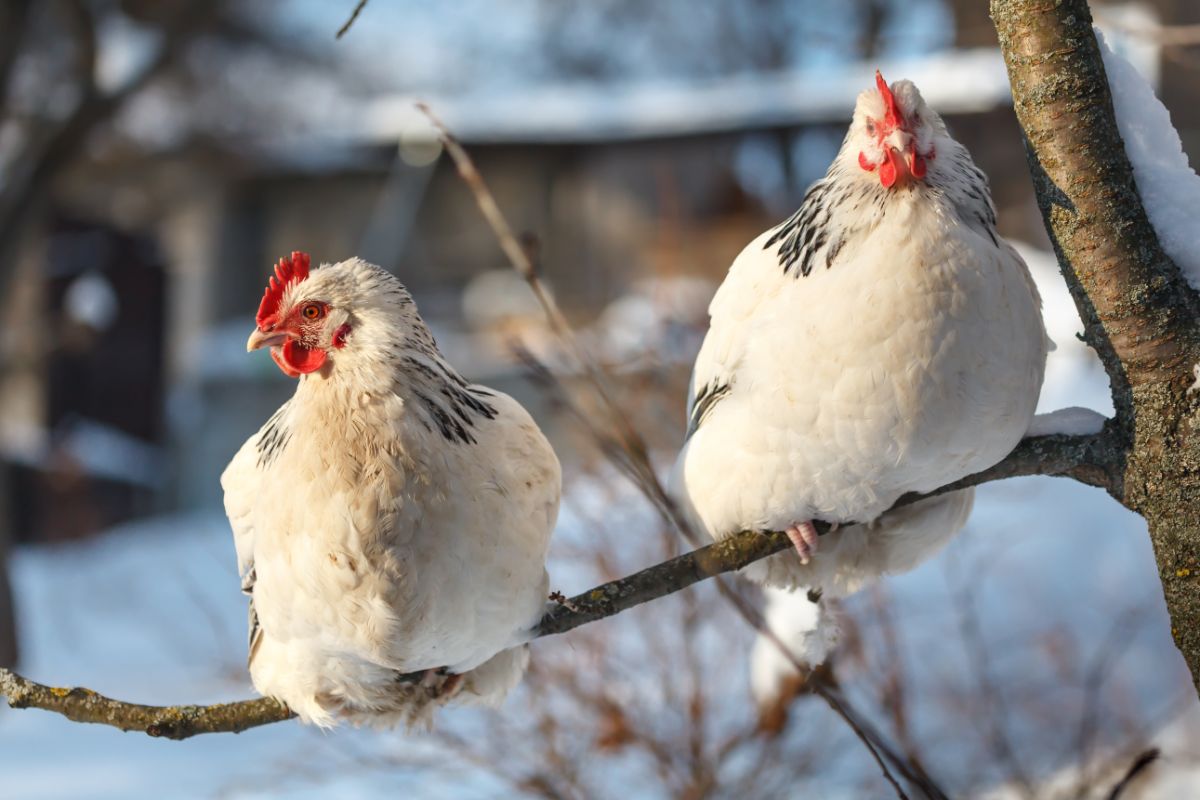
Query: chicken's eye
[[871, 127], [312, 311]]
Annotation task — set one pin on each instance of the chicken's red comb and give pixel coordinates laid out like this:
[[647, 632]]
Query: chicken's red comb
[[287, 271], [892, 116]]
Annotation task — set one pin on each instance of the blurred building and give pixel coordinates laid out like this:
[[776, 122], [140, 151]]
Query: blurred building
[[163, 252]]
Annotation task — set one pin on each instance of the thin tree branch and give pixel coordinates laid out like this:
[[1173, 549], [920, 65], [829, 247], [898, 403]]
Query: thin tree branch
[[1083, 457], [170, 722], [353, 16], [1140, 763]]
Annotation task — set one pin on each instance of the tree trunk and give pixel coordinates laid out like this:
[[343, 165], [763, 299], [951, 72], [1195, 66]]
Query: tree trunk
[[1138, 311]]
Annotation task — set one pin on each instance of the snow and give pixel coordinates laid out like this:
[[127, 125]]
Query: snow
[[799, 624], [1169, 188], [661, 320], [1174, 774], [1074, 421], [85, 445]]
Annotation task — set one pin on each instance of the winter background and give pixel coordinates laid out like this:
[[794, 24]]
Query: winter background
[[638, 146]]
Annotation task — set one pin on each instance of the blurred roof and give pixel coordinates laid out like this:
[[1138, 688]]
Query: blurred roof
[[952, 81]]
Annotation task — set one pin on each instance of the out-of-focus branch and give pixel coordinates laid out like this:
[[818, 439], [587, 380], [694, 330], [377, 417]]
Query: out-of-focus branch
[[170, 722], [627, 437], [1139, 764], [1081, 456], [12, 26], [48, 158], [353, 16]]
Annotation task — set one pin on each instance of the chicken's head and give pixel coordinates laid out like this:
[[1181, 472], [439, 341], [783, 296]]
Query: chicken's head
[[299, 326], [893, 132]]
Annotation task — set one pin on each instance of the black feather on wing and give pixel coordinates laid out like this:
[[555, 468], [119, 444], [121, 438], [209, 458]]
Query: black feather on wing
[[809, 233], [254, 636], [706, 399]]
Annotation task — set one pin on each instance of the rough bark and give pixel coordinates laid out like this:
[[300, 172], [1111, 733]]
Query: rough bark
[[1139, 313]]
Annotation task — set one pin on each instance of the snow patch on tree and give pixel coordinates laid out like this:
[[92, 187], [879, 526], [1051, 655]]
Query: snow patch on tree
[[1073, 421], [1170, 189]]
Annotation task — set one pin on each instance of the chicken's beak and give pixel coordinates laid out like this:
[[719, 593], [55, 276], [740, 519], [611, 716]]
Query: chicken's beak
[[900, 140], [259, 339]]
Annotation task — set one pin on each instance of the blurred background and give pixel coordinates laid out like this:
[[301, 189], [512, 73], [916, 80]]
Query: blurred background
[[156, 156]]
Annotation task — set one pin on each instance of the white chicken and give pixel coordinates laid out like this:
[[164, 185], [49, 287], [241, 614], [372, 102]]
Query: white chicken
[[882, 340], [391, 517]]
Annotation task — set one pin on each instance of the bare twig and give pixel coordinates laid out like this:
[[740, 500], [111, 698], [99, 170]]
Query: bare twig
[[631, 441], [1139, 765], [353, 16]]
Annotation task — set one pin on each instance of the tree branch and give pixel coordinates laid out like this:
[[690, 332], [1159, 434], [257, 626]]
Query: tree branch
[[1086, 458], [1089, 459], [353, 16], [171, 722], [1139, 313]]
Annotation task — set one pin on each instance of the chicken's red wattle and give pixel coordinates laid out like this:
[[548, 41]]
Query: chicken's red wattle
[[295, 359]]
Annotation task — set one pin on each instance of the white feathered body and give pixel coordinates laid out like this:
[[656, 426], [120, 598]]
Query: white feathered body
[[390, 526], [879, 342]]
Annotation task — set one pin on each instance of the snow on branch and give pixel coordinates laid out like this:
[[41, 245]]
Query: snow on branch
[[1085, 458], [1074, 421], [1169, 188]]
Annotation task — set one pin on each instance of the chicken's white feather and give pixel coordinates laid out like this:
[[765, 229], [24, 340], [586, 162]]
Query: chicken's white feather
[[392, 518], [883, 340]]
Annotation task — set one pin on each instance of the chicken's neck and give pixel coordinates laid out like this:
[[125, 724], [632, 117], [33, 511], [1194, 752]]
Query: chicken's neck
[[394, 389], [845, 206]]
